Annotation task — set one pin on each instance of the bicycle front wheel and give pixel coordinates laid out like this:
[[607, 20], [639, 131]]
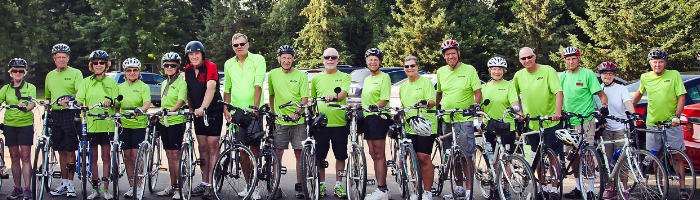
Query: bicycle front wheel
[[551, 171], [40, 174], [413, 178], [460, 179], [141, 171], [2, 159], [84, 160], [635, 180], [234, 174], [438, 159], [154, 159], [357, 175], [679, 178], [186, 172], [269, 174], [116, 169], [309, 173], [517, 180], [482, 175], [591, 169]]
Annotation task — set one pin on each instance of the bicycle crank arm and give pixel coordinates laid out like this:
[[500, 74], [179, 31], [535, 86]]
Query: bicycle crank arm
[[341, 173], [371, 182], [283, 170]]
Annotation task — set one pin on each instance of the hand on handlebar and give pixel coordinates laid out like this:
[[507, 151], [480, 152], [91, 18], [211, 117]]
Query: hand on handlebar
[[556, 116], [199, 112], [373, 108], [294, 117], [227, 115], [675, 121], [106, 104]]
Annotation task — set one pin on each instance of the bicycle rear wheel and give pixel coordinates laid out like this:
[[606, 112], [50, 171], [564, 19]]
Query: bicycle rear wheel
[[460, 168], [231, 177], [412, 175], [40, 175], [154, 159], [116, 168], [2, 159], [357, 175], [438, 158], [591, 169], [396, 167], [309, 174], [517, 180], [484, 182], [269, 175], [635, 180], [680, 178], [551, 171], [141, 171], [186, 172]]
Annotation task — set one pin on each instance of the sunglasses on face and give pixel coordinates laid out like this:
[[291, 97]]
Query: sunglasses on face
[[132, 70], [410, 66], [239, 44], [170, 66], [529, 57], [21, 71], [330, 57], [99, 63]]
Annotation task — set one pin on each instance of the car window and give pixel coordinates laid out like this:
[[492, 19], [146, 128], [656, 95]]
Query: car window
[[121, 78], [397, 76], [158, 78], [147, 78]]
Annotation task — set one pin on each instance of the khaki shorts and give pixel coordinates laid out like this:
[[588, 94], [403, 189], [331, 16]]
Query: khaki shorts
[[674, 138], [284, 134], [610, 148], [465, 136], [589, 129]]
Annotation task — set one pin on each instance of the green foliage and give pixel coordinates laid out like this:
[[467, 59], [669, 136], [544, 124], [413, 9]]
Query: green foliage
[[281, 28], [475, 32], [322, 31]]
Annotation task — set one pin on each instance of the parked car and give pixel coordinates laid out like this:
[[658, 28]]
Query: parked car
[[395, 99], [358, 77], [154, 81]]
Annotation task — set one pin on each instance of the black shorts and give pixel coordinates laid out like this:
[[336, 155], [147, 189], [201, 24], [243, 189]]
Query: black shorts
[[99, 138], [245, 135], [550, 139], [65, 130], [216, 122], [172, 135], [19, 135], [131, 138], [337, 136], [508, 141], [375, 128], [422, 144]]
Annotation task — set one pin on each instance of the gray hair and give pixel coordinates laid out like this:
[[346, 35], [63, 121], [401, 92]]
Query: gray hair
[[410, 57], [238, 35], [331, 49]]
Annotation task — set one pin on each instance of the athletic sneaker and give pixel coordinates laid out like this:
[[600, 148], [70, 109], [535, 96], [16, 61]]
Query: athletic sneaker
[[60, 190], [574, 194], [27, 193], [71, 191], [16, 193], [169, 190], [107, 195], [208, 192], [553, 196], [322, 191], [176, 195], [199, 190], [95, 194], [460, 191], [427, 196], [299, 191], [340, 192], [129, 194], [378, 195], [609, 194], [506, 193], [684, 195]]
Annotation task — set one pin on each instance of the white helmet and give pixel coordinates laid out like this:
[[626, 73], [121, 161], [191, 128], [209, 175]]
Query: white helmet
[[497, 62], [132, 63], [420, 126], [564, 137]]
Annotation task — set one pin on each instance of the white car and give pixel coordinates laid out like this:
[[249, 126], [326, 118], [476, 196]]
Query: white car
[[395, 99]]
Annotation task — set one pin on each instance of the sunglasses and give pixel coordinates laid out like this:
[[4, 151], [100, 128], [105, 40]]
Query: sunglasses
[[529, 57], [330, 57], [132, 70], [170, 66], [410, 66], [99, 63], [239, 44], [17, 71]]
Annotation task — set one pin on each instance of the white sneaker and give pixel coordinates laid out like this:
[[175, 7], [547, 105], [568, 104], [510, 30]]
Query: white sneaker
[[427, 196], [129, 194], [107, 195], [166, 192], [176, 195], [378, 195], [460, 191], [71, 191], [94, 195], [414, 197], [256, 194], [60, 190], [242, 193]]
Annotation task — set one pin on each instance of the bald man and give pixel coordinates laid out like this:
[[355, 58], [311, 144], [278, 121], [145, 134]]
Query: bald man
[[541, 94]]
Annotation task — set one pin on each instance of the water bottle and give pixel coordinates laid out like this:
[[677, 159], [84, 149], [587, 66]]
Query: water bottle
[[489, 152], [648, 159], [617, 154], [447, 154]]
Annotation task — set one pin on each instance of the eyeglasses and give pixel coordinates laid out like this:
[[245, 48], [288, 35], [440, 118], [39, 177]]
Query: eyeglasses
[[17, 71], [330, 57], [239, 44], [99, 63], [410, 66], [529, 57], [131, 70], [169, 66]]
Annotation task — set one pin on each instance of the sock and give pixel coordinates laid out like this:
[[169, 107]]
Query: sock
[[382, 188], [70, 182], [338, 183], [64, 182], [544, 188], [578, 184], [105, 191], [468, 193], [591, 183]]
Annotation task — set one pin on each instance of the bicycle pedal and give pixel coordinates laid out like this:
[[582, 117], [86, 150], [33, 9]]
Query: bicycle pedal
[[283, 170], [371, 182], [4, 176], [390, 163], [56, 174], [393, 172], [199, 162], [341, 173], [324, 164], [163, 169]]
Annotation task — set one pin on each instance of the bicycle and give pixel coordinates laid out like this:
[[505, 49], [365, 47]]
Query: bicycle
[[148, 159], [188, 160], [269, 166], [629, 166], [407, 171], [230, 175], [44, 156], [666, 155], [497, 172], [589, 162]]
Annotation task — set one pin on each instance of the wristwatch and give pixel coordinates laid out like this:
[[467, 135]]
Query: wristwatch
[[678, 116]]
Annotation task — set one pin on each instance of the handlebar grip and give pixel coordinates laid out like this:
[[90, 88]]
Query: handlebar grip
[[13, 106], [128, 108], [334, 105], [431, 111]]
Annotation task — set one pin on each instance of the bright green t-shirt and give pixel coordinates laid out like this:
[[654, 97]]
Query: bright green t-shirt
[[134, 95], [14, 117], [375, 89], [411, 92], [538, 91], [93, 91], [457, 88], [663, 92], [177, 91], [288, 87], [62, 83], [578, 90], [323, 84], [501, 95], [241, 82]]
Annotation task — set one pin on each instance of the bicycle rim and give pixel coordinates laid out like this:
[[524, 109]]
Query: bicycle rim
[[154, 167], [642, 182], [460, 167], [438, 159], [674, 176], [50, 166], [397, 168], [550, 167], [84, 169], [309, 173], [482, 174], [356, 175], [185, 172], [115, 170], [517, 180], [230, 179], [2, 159], [269, 176], [591, 170], [141, 171], [414, 180], [39, 172]]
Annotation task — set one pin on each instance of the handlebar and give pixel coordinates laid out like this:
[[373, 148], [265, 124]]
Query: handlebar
[[266, 111], [324, 99]]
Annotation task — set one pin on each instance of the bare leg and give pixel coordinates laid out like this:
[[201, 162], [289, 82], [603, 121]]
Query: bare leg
[[376, 151], [16, 165], [106, 163], [211, 160], [203, 148], [427, 170]]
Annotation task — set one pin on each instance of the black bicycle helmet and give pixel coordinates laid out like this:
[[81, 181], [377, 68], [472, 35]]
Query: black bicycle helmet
[[374, 52], [99, 54], [658, 54], [60, 48], [195, 46], [449, 44], [319, 122], [285, 49], [17, 62]]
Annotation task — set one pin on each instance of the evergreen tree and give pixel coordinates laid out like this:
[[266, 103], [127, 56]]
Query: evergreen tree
[[281, 28], [323, 30], [475, 31], [220, 25]]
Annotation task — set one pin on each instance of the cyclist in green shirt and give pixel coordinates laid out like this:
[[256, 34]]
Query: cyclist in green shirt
[[19, 128], [173, 96], [93, 90], [63, 81], [135, 93], [419, 127]]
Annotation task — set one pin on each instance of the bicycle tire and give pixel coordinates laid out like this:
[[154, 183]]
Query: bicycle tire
[[309, 172], [140, 171], [459, 161], [438, 159], [185, 171], [122, 166], [482, 174], [39, 171], [155, 165], [356, 175], [520, 180], [591, 168], [52, 164], [84, 158], [269, 175], [638, 190], [551, 171], [674, 176], [228, 179], [2, 159], [115, 170], [412, 175], [398, 172]]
